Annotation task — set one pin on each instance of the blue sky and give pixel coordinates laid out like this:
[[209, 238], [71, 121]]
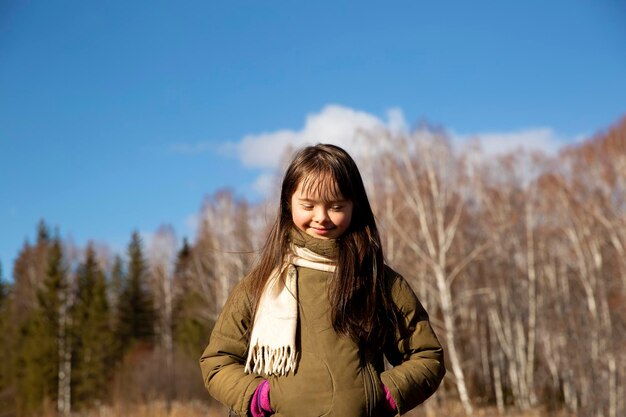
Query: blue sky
[[124, 115]]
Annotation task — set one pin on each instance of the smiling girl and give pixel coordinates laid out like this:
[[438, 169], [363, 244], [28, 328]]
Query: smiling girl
[[307, 331]]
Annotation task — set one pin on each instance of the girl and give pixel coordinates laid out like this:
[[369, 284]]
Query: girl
[[305, 333]]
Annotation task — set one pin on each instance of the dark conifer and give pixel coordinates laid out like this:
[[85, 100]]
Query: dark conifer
[[135, 308], [7, 347], [93, 336], [191, 331], [43, 233], [3, 288], [29, 271], [39, 344]]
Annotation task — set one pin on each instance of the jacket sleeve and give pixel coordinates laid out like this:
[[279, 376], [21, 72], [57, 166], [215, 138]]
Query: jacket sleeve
[[222, 362], [415, 353]]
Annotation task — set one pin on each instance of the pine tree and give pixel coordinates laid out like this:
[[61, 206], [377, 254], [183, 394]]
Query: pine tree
[[7, 347], [92, 360], [38, 367], [114, 295], [135, 309], [191, 331], [3, 289], [29, 271], [117, 281]]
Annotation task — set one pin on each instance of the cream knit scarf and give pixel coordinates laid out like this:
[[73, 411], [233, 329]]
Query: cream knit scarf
[[273, 341]]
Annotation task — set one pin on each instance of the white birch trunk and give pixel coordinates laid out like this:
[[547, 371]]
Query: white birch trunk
[[497, 374], [428, 198], [612, 386], [162, 260], [532, 305], [64, 394], [447, 311], [167, 340]]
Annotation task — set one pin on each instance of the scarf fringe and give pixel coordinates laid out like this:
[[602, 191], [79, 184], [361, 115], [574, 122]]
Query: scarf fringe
[[273, 339], [271, 361]]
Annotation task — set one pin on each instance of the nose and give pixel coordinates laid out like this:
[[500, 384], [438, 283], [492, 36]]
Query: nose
[[320, 215]]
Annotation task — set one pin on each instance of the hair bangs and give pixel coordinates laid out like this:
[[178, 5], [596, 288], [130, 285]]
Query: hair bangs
[[322, 185]]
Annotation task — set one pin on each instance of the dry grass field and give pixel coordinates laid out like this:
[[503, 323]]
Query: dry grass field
[[201, 409]]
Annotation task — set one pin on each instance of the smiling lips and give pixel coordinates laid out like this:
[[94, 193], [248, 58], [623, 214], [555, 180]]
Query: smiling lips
[[322, 231]]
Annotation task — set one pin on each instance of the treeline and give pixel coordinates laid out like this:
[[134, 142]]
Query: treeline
[[80, 329], [519, 259]]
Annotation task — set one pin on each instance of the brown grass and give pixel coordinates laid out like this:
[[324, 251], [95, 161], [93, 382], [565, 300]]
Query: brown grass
[[455, 409], [156, 409], [197, 408]]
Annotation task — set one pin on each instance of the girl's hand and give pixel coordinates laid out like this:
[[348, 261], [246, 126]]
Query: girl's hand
[[260, 404]]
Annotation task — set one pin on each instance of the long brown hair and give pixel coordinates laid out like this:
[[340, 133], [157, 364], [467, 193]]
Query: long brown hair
[[359, 295]]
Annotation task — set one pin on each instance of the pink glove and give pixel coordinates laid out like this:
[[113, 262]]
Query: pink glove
[[260, 404], [391, 404]]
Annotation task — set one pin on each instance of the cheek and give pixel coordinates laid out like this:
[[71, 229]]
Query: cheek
[[299, 217], [343, 219], [349, 215]]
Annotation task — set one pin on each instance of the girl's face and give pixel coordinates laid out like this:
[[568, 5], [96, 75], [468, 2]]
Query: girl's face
[[320, 217]]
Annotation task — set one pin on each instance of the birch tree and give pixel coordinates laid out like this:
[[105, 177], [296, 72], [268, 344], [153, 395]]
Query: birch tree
[[222, 254], [162, 261], [426, 174]]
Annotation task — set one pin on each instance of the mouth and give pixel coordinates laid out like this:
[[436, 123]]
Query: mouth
[[323, 231]]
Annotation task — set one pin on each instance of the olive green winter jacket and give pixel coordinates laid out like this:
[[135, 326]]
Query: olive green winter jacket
[[332, 378]]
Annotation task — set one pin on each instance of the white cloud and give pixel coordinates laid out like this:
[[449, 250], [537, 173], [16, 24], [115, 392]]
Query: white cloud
[[264, 183], [397, 122], [356, 131], [265, 150], [497, 143], [334, 124]]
